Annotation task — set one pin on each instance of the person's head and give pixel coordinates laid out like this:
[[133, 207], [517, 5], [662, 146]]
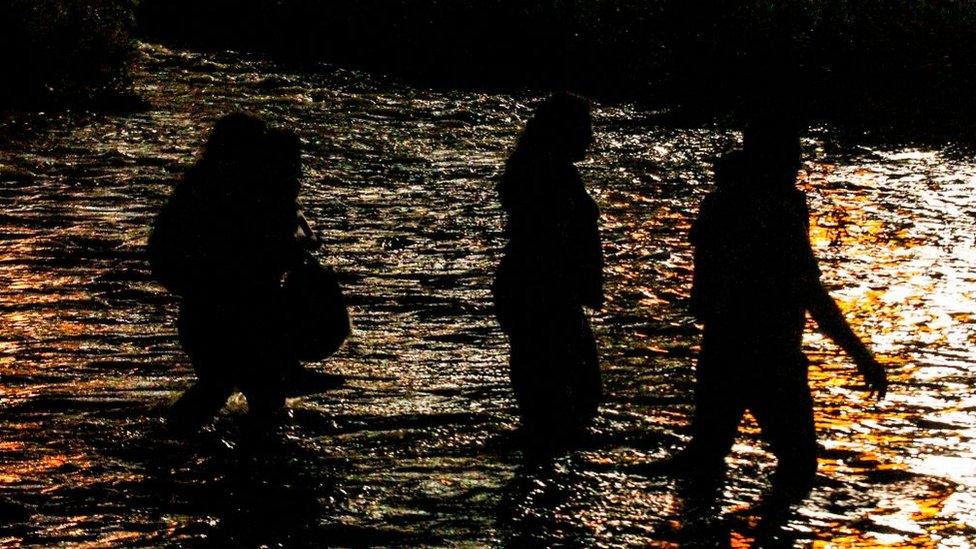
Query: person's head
[[560, 127], [772, 143], [237, 139], [248, 162], [731, 168]]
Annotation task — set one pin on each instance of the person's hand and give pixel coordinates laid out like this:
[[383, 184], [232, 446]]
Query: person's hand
[[875, 377]]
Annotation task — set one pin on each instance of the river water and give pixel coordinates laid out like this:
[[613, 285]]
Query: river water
[[418, 446]]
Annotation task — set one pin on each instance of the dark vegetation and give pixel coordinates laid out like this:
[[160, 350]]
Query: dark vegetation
[[866, 63], [64, 52], [906, 66]]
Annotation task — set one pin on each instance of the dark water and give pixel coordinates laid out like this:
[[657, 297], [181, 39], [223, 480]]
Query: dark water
[[418, 447]]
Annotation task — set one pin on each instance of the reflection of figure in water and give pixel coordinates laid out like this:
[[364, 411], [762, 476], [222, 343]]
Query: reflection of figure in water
[[552, 268], [755, 278], [222, 243]]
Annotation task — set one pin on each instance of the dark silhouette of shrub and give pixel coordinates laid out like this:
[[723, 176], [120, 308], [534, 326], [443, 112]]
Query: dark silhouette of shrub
[[63, 51], [869, 64]]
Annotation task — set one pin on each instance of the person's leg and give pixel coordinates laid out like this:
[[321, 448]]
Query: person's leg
[[202, 334], [554, 368], [526, 369], [201, 402], [260, 379], [264, 357], [785, 416], [589, 385], [542, 365], [718, 411]]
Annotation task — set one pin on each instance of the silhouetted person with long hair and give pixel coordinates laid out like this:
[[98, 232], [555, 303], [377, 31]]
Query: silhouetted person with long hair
[[755, 278], [222, 243], [552, 267]]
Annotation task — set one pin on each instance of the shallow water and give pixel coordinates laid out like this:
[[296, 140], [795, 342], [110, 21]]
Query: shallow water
[[418, 447]]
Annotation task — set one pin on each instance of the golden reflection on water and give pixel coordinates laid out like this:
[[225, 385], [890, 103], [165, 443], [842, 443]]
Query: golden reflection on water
[[926, 302]]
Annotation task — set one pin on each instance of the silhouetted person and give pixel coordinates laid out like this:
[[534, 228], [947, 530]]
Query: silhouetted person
[[755, 278], [222, 243], [552, 268]]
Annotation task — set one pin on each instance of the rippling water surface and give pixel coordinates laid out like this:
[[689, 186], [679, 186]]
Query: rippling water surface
[[418, 446]]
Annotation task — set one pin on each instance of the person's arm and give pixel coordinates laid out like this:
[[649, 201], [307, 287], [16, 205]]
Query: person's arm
[[831, 320], [832, 323]]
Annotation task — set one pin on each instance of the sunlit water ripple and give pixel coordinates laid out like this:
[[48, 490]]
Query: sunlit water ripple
[[417, 447]]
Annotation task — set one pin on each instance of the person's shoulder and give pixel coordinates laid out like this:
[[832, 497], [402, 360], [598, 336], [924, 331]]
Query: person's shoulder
[[708, 210], [715, 200]]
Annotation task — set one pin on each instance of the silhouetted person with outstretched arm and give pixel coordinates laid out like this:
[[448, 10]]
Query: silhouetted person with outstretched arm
[[222, 243], [552, 268], [755, 279]]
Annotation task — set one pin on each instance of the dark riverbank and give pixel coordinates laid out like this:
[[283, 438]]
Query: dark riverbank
[[878, 65], [894, 68], [58, 53]]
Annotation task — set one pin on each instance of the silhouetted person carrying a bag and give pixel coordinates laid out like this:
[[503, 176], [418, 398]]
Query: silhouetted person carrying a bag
[[552, 268], [225, 243], [755, 278]]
